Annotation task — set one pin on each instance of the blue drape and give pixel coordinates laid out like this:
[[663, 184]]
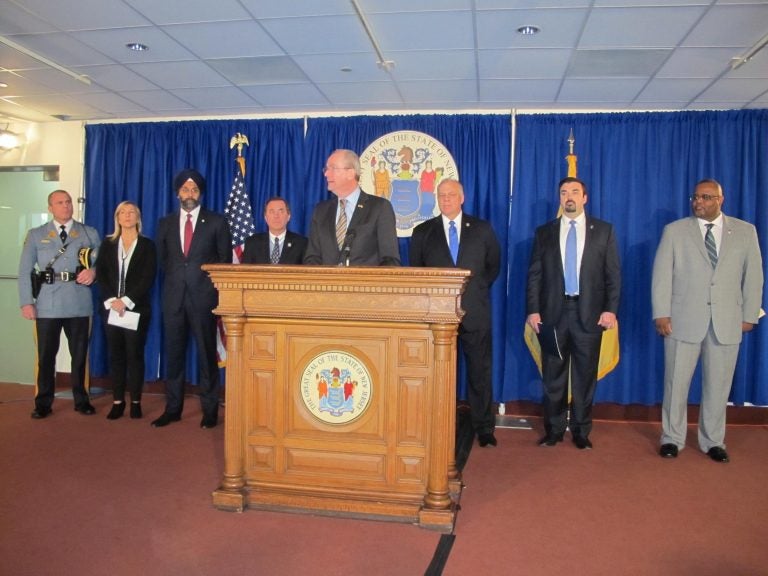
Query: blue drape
[[480, 146], [137, 162], [640, 169]]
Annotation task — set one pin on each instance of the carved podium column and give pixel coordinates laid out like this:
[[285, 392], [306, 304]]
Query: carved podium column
[[341, 390]]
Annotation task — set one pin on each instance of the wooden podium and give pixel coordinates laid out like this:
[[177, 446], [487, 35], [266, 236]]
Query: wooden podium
[[341, 390]]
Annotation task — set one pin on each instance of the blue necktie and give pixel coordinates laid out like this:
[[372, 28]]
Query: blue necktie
[[453, 241], [571, 277]]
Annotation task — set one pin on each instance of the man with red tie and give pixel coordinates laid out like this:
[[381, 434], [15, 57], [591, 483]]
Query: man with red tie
[[187, 239]]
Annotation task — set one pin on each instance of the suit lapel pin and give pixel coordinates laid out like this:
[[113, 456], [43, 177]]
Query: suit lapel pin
[[359, 205], [288, 245]]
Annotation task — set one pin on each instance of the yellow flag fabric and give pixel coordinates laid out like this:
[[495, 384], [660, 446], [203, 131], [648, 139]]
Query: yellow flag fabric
[[609, 347]]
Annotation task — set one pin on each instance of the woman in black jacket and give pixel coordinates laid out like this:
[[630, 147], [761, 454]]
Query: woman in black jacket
[[125, 269]]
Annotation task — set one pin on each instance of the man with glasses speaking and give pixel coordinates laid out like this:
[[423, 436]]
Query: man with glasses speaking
[[707, 289], [354, 228]]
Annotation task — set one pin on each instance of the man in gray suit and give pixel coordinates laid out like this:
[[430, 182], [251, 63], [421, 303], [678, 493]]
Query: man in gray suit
[[62, 250], [707, 289]]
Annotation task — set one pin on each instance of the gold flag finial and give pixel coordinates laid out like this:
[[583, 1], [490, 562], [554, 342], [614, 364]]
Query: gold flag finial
[[571, 158], [239, 140]]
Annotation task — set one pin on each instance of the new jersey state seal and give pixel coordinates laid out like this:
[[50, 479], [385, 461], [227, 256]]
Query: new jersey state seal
[[336, 387]]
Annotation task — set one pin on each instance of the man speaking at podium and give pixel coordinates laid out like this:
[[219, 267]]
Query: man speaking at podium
[[355, 228]]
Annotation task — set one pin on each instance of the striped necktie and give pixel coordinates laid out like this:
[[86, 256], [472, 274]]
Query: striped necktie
[[709, 242], [341, 223]]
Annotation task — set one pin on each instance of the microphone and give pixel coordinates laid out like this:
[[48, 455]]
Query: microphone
[[346, 248]]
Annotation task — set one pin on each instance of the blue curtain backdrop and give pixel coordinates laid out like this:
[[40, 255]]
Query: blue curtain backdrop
[[137, 162], [640, 169]]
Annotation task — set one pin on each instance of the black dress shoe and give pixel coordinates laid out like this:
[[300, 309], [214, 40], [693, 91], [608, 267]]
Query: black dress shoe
[[116, 411], [136, 410], [85, 408], [668, 451], [550, 440], [486, 439], [40, 413], [582, 443], [165, 419], [209, 422], [718, 454]]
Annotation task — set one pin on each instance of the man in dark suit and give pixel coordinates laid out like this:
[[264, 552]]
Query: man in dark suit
[[279, 245], [474, 248], [186, 240], [574, 283], [355, 228]]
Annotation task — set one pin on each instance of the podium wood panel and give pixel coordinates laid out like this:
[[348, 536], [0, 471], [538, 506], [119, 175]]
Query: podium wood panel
[[298, 437]]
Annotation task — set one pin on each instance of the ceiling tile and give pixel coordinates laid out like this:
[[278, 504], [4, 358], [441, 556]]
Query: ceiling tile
[[84, 14], [559, 28], [299, 95], [112, 43], [519, 91], [620, 90], [227, 97], [523, 63], [374, 93], [672, 90], [179, 74], [225, 39], [62, 49], [696, 63], [730, 26], [423, 31], [265, 70], [183, 11], [452, 91], [157, 100], [434, 65], [319, 35], [328, 67], [650, 27]]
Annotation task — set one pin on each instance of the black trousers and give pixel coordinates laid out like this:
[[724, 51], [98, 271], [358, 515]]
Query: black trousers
[[581, 353], [49, 330], [126, 360], [476, 346], [202, 325]]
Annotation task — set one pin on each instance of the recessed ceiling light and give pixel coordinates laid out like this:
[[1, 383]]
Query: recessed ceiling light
[[346, 69], [528, 30], [137, 46], [3, 85]]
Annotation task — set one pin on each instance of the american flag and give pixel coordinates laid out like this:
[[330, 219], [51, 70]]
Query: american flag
[[239, 215], [240, 218]]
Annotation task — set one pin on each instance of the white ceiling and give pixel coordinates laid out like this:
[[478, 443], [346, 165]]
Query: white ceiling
[[246, 57]]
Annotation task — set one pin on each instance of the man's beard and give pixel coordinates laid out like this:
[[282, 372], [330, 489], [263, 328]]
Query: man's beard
[[189, 204]]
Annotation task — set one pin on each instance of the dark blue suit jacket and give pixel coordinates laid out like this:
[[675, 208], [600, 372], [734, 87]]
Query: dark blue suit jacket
[[599, 277], [257, 249], [375, 234], [183, 277], [478, 252]]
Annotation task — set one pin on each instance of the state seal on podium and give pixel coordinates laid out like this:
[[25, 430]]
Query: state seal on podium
[[336, 387]]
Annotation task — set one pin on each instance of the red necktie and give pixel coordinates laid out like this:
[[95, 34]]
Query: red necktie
[[187, 234]]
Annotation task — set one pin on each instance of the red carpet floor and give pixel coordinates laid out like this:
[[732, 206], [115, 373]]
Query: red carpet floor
[[81, 495]]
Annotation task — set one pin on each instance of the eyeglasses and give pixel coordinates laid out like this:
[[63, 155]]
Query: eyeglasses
[[335, 168], [704, 197]]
